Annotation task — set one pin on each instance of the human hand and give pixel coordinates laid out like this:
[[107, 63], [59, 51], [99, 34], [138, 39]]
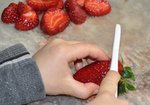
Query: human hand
[[107, 90], [53, 61]]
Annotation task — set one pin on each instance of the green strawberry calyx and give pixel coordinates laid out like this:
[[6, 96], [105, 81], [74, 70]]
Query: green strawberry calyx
[[126, 82]]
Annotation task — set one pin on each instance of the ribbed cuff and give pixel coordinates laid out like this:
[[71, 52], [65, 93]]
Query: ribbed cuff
[[12, 52], [20, 78]]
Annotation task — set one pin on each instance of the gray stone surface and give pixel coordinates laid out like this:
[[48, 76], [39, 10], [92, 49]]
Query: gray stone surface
[[134, 17]]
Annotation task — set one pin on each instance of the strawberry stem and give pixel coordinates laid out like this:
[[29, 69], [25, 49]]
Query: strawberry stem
[[126, 82]]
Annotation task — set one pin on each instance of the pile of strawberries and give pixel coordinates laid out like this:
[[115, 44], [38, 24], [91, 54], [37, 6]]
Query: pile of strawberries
[[55, 18]]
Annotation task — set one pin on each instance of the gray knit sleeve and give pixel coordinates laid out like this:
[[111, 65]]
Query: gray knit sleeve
[[20, 79]]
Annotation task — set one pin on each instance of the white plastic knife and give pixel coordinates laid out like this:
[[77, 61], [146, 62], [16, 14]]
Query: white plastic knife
[[115, 51]]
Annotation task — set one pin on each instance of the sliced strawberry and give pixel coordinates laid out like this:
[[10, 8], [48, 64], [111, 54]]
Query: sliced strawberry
[[70, 5], [42, 5], [76, 13], [81, 2], [78, 16], [23, 8], [39, 12], [27, 21], [96, 71], [97, 7], [60, 4], [10, 14], [28, 18], [54, 21]]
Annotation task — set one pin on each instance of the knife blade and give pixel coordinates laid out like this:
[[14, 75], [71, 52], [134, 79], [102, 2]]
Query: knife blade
[[115, 51]]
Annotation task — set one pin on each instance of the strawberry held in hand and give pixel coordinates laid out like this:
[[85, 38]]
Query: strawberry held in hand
[[10, 14], [54, 20], [97, 7], [96, 71], [28, 19]]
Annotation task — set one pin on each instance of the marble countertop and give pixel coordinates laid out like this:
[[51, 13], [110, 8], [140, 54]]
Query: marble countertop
[[134, 17]]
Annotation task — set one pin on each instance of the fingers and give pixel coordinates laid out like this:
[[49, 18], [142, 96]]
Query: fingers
[[78, 64], [89, 61], [82, 50], [79, 50], [82, 90], [109, 83]]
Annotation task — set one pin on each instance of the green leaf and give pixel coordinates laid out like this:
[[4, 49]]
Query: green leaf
[[122, 88], [130, 86], [128, 73], [125, 85], [127, 77]]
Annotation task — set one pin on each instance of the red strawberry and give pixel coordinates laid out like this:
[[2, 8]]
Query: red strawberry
[[97, 7], [10, 14], [23, 8], [96, 71], [78, 16], [39, 12], [70, 5], [42, 5], [81, 2], [60, 4], [54, 21], [76, 13], [28, 18]]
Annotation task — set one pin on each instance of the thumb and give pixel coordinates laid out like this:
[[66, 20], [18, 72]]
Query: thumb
[[109, 83], [82, 90]]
